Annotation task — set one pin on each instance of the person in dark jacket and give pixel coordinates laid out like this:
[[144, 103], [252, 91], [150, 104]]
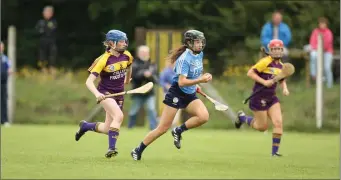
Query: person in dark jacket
[[5, 71], [143, 72], [46, 29]]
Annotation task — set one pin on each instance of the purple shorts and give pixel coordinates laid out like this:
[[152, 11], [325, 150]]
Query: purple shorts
[[119, 99], [262, 103]]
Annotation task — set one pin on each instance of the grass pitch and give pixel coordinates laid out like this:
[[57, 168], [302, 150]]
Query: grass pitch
[[50, 151]]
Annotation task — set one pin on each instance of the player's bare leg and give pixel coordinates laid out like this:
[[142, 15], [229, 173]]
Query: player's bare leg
[[275, 115], [166, 120], [258, 122], [201, 116], [116, 114]]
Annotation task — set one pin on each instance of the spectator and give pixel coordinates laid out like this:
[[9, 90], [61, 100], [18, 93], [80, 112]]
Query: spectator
[[46, 28], [143, 71], [5, 72], [327, 36], [166, 78], [276, 30]]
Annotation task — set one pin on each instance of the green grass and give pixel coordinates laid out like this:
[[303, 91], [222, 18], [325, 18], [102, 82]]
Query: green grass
[[49, 151]]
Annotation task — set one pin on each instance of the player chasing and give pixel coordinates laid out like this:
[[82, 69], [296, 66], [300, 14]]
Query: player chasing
[[112, 67], [266, 103], [182, 93]]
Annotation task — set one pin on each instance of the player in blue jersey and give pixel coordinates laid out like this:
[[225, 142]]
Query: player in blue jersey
[[181, 95]]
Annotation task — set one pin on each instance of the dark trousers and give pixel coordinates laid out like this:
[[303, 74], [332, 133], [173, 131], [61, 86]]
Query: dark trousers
[[4, 97], [48, 52]]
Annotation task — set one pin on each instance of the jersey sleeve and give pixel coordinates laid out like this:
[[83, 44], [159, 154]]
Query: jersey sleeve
[[98, 65], [131, 58], [261, 65], [182, 67]]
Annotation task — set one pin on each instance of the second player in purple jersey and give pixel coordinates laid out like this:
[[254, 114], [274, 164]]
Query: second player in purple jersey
[[266, 102], [114, 69]]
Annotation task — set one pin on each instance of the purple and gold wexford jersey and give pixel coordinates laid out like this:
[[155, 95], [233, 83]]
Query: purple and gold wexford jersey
[[111, 70], [267, 68]]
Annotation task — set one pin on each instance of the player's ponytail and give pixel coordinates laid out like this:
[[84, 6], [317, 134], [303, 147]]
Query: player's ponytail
[[175, 53], [263, 51]]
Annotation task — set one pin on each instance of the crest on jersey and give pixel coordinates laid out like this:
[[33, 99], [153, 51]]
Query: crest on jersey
[[111, 67]]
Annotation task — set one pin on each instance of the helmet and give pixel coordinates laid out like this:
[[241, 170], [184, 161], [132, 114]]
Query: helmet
[[115, 36], [192, 35], [276, 48]]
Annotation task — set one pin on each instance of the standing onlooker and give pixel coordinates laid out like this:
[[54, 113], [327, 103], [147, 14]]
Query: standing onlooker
[[327, 36], [276, 29], [46, 28], [166, 79], [5, 71], [143, 72]]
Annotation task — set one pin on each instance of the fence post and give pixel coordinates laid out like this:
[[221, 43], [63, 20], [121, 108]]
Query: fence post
[[11, 47], [319, 83]]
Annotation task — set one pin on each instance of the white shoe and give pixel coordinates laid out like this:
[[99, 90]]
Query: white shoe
[[7, 124]]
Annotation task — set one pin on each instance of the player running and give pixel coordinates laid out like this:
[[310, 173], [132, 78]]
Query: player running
[[182, 93], [266, 103], [112, 67]]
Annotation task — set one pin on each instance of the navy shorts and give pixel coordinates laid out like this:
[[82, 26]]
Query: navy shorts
[[176, 98]]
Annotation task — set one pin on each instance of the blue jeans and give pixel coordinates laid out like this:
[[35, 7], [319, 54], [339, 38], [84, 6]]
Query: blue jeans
[[138, 102], [327, 63]]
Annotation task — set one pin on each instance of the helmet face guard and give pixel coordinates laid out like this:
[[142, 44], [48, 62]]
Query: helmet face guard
[[122, 48], [197, 45], [195, 40], [276, 48]]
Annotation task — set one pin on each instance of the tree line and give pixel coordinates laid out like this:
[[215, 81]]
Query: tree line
[[232, 28]]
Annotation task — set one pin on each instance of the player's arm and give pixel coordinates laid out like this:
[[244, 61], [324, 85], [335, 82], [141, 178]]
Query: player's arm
[[259, 67], [91, 85], [183, 81], [254, 76], [128, 75], [283, 84], [284, 87], [182, 69], [130, 69], [95, 69]]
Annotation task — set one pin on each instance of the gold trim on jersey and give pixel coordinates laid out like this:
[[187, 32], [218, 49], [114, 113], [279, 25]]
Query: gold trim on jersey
[[116, 66]]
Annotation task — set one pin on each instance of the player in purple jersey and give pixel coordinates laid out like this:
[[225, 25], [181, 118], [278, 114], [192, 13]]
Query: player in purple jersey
[[266, 103], [114, 69]]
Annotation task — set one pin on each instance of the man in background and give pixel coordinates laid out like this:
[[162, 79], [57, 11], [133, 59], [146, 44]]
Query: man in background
[[276, 29], [5, 72], [46, 28], [143, 72]]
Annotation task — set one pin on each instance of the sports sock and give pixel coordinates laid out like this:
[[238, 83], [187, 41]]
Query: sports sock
[[249, 120], [181, 128], [89, 126], [246, 119], [113, 135], [141, 147], [276, 140]]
